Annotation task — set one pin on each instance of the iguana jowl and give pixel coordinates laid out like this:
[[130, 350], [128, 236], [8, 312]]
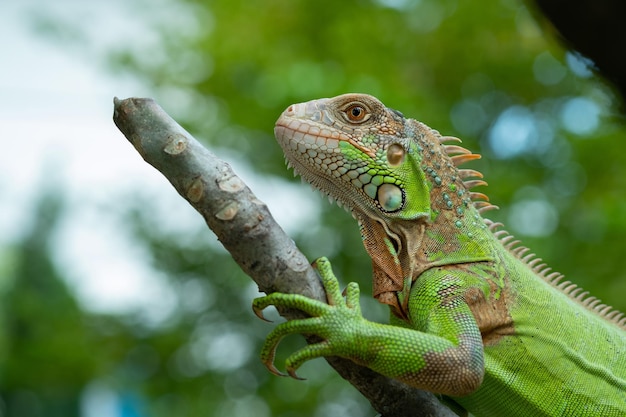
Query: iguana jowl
[[475, 317]]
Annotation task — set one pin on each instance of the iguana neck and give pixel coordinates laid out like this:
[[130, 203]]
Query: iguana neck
[[454, 233], [420, 245]]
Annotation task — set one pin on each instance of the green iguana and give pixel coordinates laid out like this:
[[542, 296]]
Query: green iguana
[[474, 316]]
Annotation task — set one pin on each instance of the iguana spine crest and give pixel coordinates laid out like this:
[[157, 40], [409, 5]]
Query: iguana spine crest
[[541, 269]]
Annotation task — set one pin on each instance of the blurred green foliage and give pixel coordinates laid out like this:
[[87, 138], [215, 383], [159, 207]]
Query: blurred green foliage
[[487, 72], [42, 325]]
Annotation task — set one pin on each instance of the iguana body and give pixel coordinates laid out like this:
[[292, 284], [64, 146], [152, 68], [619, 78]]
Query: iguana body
[[474, 317]]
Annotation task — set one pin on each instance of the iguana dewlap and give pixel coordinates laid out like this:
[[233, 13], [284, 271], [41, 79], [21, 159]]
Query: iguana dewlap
[[475, 317]]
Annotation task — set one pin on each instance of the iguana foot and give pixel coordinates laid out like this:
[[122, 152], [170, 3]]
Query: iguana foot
[[335, 322]]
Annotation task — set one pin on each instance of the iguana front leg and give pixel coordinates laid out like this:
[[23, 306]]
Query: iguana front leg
[[327, 321], [441, 351]]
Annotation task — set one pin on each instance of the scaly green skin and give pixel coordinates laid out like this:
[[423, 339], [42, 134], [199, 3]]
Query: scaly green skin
[[472, 317]]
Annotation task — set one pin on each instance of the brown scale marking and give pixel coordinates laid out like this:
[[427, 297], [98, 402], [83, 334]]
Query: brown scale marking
[[492, 315]]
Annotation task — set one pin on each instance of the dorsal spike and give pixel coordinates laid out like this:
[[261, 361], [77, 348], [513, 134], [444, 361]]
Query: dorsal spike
[[582, 295], [474, 183], [486, 208], [534, 262], [500, 234], [589, 301], [512, 244], [611, 314], [456, 149], [575, 292], [469, 173], [507, 239], [544, 272], [520, 251], [478, 196], [461, 159], [563, 284], [554, 277], [493, 226], [480, 204], [443, 139], [570, 288]]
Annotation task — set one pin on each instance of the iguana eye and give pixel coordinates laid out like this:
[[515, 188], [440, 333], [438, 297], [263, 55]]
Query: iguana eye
[[356, 113], [390, 197], [395, 154]]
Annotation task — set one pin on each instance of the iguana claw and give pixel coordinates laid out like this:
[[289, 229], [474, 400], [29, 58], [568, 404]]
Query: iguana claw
[[257, 308], [327, 321]]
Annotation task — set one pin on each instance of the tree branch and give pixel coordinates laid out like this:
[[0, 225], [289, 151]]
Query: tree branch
[[245, 227]]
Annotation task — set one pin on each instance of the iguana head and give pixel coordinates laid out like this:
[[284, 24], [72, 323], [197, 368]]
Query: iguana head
[[354, 149], [393, 174]]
